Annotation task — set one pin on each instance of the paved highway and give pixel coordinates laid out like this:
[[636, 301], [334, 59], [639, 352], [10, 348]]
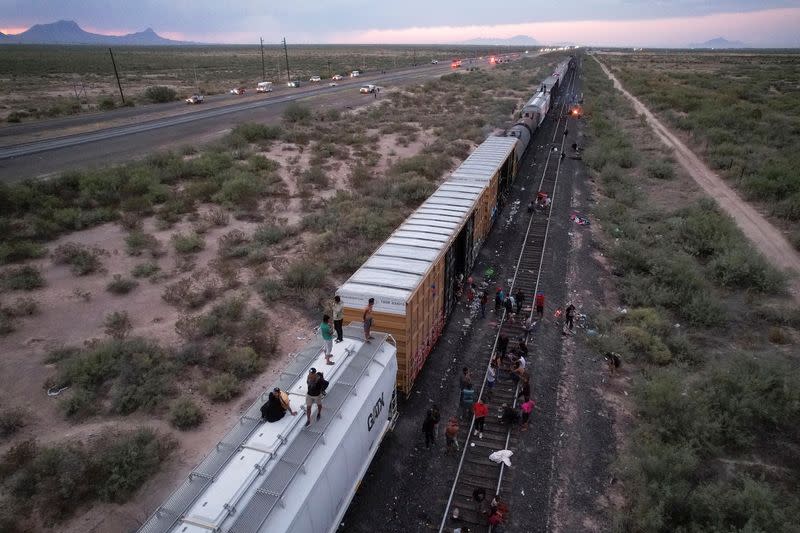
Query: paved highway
[[77, 142]]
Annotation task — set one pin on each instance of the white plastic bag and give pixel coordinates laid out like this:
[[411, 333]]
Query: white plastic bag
[[502, 456]]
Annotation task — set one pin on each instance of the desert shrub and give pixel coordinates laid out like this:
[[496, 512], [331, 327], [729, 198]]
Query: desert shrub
[[271, 289], [188, 293], [187, 243], [243, 362], [267, 234], [430, 166], [305, 274], [21, 307], [745, 269], [159, 94], [241, 190], [233, 244], [11, 421], [145, 270], [295, 112], [315, 177], [24, 278], [117, 325], [52, 481], [135, 372], [640, 344], [106, 104], [252, 132], [260, 163], [661, 169], [217, 217], [120, 285], [81, 259], [222, 388], [79, 404], [12, 252], [185, 414], [137, 242]]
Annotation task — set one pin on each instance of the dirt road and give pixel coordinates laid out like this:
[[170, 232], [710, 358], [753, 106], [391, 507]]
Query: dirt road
[[767, 238]]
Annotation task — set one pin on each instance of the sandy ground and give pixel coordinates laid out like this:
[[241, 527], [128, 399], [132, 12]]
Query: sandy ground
[[765, 237]]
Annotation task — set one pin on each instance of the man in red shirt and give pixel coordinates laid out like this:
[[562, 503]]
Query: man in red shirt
[[481, 410], [540, 304]]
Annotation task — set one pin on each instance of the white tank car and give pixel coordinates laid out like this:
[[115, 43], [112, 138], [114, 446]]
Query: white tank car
[[284, 477]]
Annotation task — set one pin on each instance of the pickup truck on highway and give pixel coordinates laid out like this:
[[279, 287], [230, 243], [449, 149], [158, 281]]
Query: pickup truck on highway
[[195, 99]]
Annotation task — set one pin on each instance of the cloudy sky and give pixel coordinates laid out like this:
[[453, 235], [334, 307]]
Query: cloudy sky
[[598, 22]]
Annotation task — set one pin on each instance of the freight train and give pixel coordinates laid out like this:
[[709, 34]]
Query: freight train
[[289, 477], [412, 276]]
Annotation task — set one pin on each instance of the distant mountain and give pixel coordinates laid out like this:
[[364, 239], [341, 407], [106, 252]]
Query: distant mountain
[[68, 32], [517, 40], [719, 42]]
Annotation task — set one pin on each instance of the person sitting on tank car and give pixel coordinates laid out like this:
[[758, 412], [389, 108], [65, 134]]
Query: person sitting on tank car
[[276, 406]]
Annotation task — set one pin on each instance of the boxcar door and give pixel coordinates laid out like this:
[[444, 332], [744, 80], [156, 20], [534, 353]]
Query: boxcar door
[[449, 280], [469, 255]]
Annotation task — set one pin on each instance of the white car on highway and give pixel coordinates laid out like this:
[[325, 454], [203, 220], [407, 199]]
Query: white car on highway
[[337, 77], [315, 79], [367, 89]]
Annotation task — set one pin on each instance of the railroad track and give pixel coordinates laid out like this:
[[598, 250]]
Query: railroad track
[[475, 470]]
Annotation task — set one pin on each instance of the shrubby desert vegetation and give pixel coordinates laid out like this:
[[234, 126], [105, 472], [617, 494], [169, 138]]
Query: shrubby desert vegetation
[[707, 336], [741, 112]]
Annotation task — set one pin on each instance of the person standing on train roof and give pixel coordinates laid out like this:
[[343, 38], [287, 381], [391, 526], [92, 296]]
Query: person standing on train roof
[[539, 302], [367, 318], [338, 317], [314, 386], [327, 338]]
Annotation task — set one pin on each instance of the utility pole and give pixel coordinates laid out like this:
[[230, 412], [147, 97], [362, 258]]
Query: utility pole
[[415, 56], [286, 53], [329, 68], [117, 75], [263, 65]]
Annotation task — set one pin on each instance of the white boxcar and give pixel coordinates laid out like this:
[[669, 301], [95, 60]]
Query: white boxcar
[[284, 477]]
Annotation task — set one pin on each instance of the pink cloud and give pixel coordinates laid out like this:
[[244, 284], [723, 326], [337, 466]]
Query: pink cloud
[[773, 27]]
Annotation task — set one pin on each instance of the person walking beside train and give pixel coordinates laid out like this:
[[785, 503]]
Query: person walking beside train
[[484, 298], [480, 410], [451, 434], [570, 317], [465, 378], [519, 299], [467, 399], [526, 408], [428, 429], [338, 317], [367, 318], [327, 338], [436, 418], [539, 303], [499, 298]]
